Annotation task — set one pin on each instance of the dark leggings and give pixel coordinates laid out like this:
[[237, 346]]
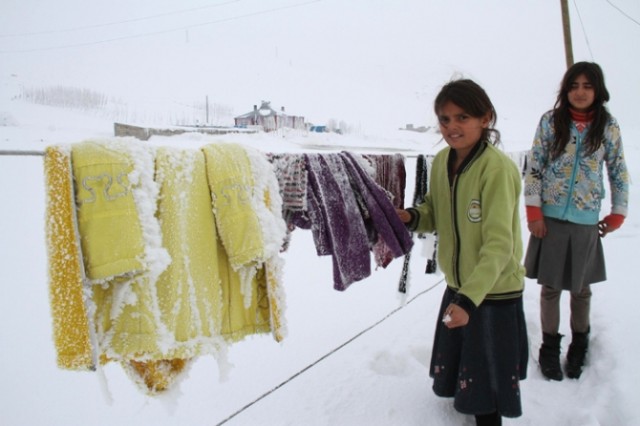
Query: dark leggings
[[492, 419]]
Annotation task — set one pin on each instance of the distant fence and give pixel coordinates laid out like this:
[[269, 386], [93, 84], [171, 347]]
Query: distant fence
[[144, 133]]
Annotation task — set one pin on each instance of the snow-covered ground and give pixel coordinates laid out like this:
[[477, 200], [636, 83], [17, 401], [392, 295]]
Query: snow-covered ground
[[351, 358]]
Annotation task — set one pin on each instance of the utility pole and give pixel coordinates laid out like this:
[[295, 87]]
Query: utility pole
[[566, 28], [207, 108]]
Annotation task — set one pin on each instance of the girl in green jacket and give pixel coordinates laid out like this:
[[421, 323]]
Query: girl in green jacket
[[480, 347]]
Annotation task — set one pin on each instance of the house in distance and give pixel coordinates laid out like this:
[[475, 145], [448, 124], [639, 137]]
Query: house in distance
[[269, 118]]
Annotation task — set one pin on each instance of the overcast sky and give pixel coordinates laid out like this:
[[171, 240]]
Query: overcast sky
[[368, 62]]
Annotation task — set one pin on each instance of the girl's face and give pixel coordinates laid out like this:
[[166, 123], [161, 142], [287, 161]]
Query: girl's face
[[581, 94], [460, 130]]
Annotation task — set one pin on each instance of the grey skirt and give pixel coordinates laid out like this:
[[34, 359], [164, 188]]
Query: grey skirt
[[569, 257]]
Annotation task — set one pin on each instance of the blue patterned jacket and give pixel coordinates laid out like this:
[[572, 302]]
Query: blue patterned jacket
[[571, 186]]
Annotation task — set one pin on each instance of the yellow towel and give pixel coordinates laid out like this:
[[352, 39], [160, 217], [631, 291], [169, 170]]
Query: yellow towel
[[189, 290], [275, 295], [111, 233], [70, 322], [222, 282], [251, 231], [231, 184], [157, 376]]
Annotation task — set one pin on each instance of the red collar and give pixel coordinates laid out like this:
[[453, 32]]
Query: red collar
[[581, 117]]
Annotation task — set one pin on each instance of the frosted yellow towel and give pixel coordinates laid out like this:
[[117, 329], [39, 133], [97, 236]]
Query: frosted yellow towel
[[111, 233], [157, 376], [232, 185], [247, 208], [70, 322], [189, 290]]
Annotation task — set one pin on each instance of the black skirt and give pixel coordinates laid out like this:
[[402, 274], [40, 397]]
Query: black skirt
[[482, 363], [569, 257]]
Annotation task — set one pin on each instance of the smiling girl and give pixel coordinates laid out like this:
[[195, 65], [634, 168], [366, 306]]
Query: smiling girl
[[480, 346], [563, 194]]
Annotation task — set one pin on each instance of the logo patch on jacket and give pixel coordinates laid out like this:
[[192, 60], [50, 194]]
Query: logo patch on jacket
[[474, 211]]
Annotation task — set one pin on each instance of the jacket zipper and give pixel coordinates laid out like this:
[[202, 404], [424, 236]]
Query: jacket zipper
[[573, 175], [454, 224]]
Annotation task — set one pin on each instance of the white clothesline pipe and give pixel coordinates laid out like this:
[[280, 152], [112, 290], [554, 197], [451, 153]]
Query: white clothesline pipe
[[41, 153], [20, 153]]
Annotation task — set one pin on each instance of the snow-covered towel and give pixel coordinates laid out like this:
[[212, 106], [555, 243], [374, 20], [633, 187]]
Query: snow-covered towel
[[390, 174], [188, 290], [247, 208], [336, 221], [390, 230], [174, 294], [108, 220], [349, 213], [71, 332], [292, 178]]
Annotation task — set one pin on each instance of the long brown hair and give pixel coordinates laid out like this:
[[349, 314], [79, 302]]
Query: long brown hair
[[562, 114]]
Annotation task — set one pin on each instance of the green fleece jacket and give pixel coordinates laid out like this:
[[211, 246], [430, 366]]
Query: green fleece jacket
[[475, 213]]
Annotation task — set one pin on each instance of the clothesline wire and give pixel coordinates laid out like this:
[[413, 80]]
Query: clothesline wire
[[328, 354], [21, 153], [42, 153]]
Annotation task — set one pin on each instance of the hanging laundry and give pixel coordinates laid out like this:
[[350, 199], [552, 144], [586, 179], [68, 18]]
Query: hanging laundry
[[248, 213], [71, 331], [390, 174], [348, 213], [291, 173], [163, 285], [292, 180], [390, 231], [335, 220]]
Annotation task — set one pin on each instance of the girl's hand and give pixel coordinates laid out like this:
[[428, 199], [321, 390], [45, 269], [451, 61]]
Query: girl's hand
[[537, 228], [455, 316], [404, 215], [609, 224]]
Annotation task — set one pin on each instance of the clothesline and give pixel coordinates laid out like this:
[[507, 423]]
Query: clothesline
[[21, 153], [25, 153], [333, 351]]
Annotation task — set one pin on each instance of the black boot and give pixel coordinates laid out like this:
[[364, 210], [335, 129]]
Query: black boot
[[493, 419], [549, 357], [576, 354]]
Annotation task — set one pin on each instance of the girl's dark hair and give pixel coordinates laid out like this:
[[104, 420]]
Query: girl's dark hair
[[472, 98], [562, 114]]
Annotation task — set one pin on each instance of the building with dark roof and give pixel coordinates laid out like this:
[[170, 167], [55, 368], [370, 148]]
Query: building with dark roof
[[269, 118]]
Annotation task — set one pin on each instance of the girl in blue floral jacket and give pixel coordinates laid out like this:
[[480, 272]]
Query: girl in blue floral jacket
[[563, 193]]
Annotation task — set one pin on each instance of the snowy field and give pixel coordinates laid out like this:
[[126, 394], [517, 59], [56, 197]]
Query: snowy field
[[351, 358]]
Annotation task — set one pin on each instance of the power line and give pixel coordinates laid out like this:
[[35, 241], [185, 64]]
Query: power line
[[623, 13], [110, 40], [108, 24], [584, 32]]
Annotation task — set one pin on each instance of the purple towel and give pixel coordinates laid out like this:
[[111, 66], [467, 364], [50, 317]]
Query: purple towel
[[336, 221]]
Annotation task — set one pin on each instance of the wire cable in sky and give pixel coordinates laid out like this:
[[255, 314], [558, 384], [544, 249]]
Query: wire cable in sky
[[183, 28], [108, 24], [625, 14], [584, 32]]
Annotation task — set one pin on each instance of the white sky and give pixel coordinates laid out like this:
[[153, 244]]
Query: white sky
[[368, 62]]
